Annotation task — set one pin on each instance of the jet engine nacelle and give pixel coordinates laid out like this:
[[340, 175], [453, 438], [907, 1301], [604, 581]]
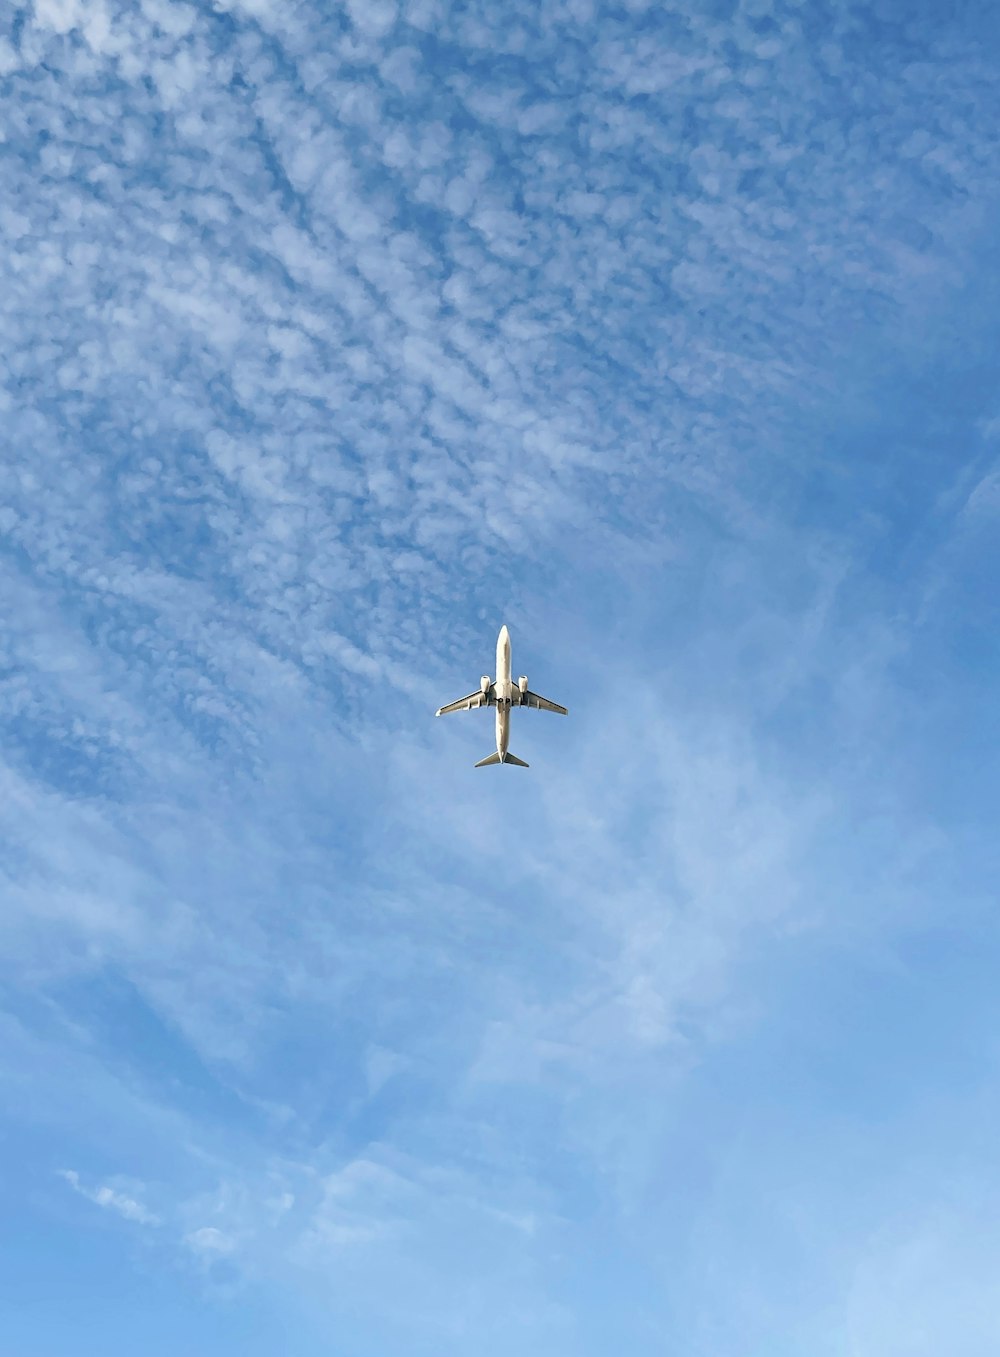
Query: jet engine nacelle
[[484, 684], [522, 683]]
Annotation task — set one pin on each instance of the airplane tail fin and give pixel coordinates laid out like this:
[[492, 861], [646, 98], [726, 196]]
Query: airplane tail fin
[[495, 758]]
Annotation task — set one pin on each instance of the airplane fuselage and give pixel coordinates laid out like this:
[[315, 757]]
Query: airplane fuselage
[[502, 689]]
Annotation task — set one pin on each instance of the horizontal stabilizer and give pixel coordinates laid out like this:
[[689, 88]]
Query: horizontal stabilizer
[[507, 758]]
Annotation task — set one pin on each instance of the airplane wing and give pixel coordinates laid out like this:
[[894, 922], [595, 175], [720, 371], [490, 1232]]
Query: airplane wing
[[530, 699], [470, 703]]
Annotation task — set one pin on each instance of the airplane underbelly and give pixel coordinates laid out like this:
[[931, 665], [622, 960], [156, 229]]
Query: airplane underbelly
[[503, 658], [503, 728]]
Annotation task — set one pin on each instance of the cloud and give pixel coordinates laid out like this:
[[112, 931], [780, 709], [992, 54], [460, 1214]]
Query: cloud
[[897, 1304], [111, 1199], [210, 1242], [984, 497], [375, 19]]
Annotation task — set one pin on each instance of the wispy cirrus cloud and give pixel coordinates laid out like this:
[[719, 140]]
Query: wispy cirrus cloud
[[111, 1199]]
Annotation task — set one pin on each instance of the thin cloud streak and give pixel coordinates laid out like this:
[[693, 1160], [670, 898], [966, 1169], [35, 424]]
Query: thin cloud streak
[[110, 1199]]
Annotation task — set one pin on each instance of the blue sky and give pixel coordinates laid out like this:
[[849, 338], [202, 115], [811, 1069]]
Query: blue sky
[[332, 336]]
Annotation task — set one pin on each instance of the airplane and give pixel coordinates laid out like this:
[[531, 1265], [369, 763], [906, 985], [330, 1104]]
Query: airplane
[[503, 694]]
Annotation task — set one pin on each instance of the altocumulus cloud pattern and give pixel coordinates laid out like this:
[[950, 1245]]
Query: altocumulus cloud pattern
[[332, 336]]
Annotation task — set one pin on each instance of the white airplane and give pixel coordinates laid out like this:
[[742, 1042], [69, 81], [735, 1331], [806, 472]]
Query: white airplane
[[503, 694]]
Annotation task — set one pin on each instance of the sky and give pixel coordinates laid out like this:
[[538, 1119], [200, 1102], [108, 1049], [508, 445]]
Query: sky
[[332, 337]]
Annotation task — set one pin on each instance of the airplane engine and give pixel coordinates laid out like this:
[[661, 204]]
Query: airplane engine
[[522, 683], [484, 684]]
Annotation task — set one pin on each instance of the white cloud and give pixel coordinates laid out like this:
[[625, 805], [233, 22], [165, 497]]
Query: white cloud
[[373, 18], [927, 1279], [8, 58], [60, 15], [111, 1199], [210, 1242], [985, 495]]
